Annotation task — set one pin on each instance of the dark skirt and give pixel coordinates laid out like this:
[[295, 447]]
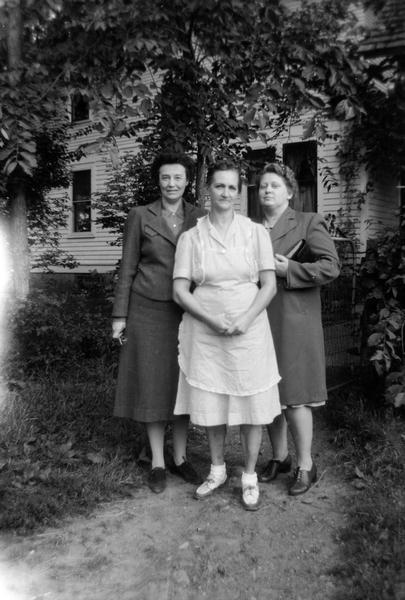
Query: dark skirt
[[148, 367]]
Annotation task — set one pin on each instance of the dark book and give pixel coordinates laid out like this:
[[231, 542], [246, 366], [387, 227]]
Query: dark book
[[299, 252]]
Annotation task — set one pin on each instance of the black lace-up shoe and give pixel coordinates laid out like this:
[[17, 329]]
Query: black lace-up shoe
[[157, 480], [187, 472], [303, 480], [274, 467]]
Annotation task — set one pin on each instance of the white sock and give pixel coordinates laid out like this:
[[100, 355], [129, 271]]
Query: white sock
[[218, 470], [306, 466], [249, 479]]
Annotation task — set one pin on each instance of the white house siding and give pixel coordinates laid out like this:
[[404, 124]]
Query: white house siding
[[93, 250], [329, 201]]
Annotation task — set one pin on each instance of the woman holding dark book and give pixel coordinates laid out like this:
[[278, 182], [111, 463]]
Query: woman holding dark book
[[305, 259]]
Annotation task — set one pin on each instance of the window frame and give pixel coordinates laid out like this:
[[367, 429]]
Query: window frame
[[309, 152], [256, 159], [74, 203], [77, 96]]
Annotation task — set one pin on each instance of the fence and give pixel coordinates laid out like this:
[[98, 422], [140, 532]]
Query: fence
[[338, 297]]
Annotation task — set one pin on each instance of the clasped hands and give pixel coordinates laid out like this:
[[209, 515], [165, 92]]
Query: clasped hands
[[228, 325]]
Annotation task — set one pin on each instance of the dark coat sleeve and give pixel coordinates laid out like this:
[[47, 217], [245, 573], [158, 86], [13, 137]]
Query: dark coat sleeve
[[129, 263], [324, 265]]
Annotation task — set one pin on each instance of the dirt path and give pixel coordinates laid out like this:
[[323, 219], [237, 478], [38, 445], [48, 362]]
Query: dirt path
[[170, 546]]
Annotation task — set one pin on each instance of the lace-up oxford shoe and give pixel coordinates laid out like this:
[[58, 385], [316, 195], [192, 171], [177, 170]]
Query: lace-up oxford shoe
[[187, 472], [274, 467], [303, 480], [157, 480]]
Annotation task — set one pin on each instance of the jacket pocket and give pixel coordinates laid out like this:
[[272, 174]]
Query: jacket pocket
[[149, 231]]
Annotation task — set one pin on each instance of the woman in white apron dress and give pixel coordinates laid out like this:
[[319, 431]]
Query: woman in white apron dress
[[228, 368]]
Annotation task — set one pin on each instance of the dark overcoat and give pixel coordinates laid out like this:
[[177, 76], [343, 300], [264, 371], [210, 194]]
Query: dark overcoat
[[295, 312], [148, 252], [148, 368]]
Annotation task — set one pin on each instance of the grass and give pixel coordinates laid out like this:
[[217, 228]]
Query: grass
[[370, 443], [61, 451]]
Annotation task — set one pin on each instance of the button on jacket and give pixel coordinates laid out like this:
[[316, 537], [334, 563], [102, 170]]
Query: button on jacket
[[148, 255]]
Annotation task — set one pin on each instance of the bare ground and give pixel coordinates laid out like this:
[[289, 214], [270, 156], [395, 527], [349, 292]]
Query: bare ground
[[170, 546]]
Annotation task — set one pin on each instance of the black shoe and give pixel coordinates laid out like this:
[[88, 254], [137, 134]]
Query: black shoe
[[187, 472], [303, 480], [157, 480], [273, 468]]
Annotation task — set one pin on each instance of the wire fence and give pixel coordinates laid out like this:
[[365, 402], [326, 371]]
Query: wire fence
[[338, 317]]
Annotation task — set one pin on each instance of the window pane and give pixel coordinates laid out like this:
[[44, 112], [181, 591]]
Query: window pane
[[82, 201], [301, 157], [80, 108]]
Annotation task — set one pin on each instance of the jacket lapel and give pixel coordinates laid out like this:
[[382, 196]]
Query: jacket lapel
[[157, 222], [286, 223]]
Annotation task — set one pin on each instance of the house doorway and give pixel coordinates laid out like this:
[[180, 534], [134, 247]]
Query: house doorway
[[301, 158], [256, 160]]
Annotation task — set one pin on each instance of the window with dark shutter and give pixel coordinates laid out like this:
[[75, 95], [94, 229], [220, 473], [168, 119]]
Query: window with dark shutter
[[82, 201], [301, 157]]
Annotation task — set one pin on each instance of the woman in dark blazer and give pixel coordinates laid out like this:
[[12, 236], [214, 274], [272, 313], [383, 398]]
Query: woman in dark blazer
[[305, 258], [145, 313]]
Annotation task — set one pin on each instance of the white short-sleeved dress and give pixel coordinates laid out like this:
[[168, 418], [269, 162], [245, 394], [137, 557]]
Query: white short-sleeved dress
[[226, 379]]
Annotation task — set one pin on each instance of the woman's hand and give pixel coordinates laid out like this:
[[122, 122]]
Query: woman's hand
[[239, 326], [118, 328], [281, 263], [220, 323]]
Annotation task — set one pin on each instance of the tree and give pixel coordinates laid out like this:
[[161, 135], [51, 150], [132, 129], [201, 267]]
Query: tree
[[33, 154], [223, 70], [53, 49], [230, 69]]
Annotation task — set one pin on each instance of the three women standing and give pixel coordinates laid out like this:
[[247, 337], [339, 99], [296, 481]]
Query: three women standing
[[145, 311], [228, 370], [224, 278], [295, 320]]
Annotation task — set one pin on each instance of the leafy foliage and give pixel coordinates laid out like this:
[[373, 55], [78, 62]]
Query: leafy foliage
[[58, 327], [382, 288], [222, 72], [129, 185], [61, 451], [369, 446]]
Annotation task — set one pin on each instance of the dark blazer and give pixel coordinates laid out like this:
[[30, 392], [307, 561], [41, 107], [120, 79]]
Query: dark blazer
[[295, 311], [148, 255]]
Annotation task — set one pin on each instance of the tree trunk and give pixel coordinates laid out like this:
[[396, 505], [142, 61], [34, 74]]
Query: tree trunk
[[18, 209], [200, 179], [19, 243]]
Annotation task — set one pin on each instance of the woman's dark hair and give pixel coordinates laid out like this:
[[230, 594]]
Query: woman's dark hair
[[172, 158], [224, 164], [282, 171]]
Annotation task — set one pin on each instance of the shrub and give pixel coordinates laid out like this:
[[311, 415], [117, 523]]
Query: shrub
[[381, 285], [57, 328]]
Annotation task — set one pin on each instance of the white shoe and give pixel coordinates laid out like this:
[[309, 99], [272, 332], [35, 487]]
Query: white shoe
[[250, 497], [210, 484]]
